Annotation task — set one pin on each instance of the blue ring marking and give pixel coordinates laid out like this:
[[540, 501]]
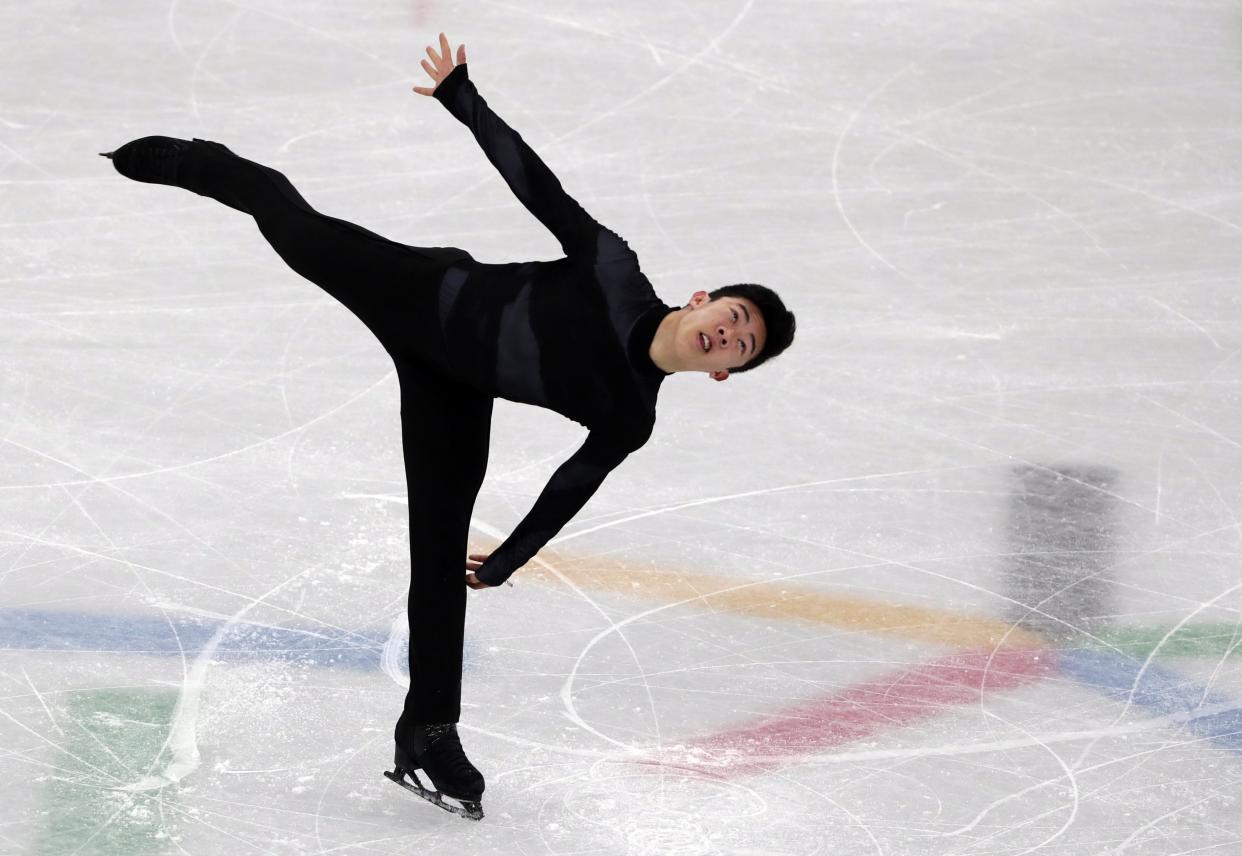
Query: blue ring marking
[[47, 630], [1159, 690]]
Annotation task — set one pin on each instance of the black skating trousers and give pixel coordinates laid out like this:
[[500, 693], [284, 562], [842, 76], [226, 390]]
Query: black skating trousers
[[445, 424]]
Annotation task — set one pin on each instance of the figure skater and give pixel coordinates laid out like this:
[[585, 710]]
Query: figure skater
[[584, 335]]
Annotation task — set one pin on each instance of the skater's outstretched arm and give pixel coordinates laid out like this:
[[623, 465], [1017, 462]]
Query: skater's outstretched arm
[[573, 483], [526, 174]]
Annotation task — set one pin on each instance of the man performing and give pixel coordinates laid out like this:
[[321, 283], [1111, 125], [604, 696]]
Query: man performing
[[584, 335]]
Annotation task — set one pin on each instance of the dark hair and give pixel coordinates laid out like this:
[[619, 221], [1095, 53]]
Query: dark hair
[[778, 320]]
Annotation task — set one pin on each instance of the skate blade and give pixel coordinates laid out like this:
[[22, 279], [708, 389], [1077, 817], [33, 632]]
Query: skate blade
[[469, 809]]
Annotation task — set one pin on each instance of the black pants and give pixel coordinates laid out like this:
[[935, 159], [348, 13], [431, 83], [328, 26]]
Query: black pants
[[445, 425]]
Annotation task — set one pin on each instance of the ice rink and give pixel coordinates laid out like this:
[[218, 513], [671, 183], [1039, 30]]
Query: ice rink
[[959, 573]]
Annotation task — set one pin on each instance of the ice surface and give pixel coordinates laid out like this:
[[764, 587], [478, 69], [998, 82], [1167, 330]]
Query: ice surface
[[957, 574]]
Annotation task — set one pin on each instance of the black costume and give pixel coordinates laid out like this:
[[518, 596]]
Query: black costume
[[571, 335]]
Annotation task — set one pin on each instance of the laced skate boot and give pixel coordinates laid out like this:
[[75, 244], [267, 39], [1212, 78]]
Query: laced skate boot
[[151, 159], [436, 750]]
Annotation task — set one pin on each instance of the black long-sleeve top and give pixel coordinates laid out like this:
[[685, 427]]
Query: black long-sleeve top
[[571, 335]]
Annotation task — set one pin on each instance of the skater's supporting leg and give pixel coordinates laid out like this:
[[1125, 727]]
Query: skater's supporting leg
[[445, 430]]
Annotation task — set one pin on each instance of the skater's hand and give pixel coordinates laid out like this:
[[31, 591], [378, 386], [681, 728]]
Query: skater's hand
[[473, 562], [443, 64]]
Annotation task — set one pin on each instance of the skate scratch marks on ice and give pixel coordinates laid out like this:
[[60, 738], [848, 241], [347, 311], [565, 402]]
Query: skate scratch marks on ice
[[182, 740]]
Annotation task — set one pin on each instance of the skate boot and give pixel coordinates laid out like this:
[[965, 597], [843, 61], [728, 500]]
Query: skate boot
[[196, 165], [436, 750], [151, 159]]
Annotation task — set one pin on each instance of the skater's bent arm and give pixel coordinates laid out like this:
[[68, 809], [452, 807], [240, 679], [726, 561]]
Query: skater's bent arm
[[573, 483], [530, 179]]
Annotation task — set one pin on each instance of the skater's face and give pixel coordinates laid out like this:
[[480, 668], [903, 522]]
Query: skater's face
[[734, 331]]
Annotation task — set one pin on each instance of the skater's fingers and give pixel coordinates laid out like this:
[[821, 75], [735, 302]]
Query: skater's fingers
[[461, 54], [434, 58]]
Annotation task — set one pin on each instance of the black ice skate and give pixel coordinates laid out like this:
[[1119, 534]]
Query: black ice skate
[[436, 750], [151, 159]]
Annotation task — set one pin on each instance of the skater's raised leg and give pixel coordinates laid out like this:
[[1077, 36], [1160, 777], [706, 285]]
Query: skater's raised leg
[[204, 167], [390, 287]]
